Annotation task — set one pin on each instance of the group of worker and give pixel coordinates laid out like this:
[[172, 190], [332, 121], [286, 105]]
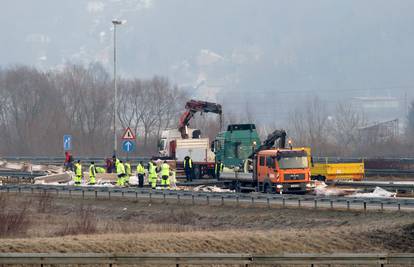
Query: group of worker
[[124, 172]]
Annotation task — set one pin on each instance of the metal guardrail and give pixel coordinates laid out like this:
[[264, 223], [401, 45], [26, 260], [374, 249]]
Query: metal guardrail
[[176, 259], [306, 201]]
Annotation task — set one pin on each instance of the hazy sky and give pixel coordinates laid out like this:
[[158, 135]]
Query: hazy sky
[[252, 50]]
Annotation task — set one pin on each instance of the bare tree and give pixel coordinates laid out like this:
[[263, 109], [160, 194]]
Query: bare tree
[[345, 125]]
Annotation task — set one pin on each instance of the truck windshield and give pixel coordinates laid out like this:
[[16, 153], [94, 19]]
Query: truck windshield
[[293, 162]]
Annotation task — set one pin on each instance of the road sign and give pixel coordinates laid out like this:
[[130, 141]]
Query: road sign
[[67, 142], [128, 146], [128, 134]]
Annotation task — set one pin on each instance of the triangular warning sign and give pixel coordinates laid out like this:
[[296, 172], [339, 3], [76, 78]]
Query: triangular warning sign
[[128, 134]]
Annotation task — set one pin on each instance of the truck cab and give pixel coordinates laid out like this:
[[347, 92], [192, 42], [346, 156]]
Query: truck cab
[[282, 171], [235, 145]]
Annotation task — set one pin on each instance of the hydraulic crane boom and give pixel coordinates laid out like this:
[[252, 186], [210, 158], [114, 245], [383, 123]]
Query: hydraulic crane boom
[[192, 107], [271, 140]]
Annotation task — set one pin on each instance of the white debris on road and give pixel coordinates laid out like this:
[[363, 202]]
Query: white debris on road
[[322, 189], [378, 192], [207, 188]]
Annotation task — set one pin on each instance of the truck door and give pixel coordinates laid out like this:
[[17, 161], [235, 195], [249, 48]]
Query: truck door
[[261, 170], [270, 164]]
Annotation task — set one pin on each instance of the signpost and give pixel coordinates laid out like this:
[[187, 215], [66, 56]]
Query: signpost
[[128, 144], [67, 142], [128, 134]]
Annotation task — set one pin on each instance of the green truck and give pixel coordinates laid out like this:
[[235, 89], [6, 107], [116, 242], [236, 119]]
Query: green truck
[[235, 145]]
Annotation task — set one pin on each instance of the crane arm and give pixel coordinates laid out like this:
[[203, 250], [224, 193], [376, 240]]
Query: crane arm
[[271, 140], [194, 106]]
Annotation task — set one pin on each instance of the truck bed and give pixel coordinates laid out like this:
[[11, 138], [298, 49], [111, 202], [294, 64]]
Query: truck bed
[[338, 171]]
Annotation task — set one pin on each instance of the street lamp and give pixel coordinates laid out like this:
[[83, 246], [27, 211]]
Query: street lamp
[[115, 22]]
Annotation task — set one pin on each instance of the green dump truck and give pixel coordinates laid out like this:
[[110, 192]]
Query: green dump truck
[[235, 145]]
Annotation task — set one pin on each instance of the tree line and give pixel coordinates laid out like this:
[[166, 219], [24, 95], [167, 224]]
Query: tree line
[[38, 107]]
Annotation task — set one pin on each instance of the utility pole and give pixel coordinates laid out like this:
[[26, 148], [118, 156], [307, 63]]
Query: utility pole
[[115, 22]]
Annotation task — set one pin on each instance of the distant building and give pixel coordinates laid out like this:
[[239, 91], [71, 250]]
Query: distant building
[[379, 132]]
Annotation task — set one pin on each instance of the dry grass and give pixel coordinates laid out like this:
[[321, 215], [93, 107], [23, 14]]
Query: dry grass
[[14, 219], [76, 225]]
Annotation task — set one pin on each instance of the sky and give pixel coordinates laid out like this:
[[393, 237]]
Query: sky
[[267, 55]]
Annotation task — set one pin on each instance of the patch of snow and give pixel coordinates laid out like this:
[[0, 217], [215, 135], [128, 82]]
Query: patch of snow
[[378, 192]]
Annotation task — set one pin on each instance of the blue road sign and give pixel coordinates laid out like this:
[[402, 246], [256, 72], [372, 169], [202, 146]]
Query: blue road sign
[[128, 146], [67, 142]]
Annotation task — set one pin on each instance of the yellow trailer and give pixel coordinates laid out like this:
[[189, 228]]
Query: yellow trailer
[[338, 171], [329, 171]]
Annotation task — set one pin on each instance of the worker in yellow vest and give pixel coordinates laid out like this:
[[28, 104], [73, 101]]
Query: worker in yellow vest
[[120, 171], [218, 168], [128, 172], [152, 175], [78, 173], [165, 175], [92, 173], [188, 168], [140, 174]]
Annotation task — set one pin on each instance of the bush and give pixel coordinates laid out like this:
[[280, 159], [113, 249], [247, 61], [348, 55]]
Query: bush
[[85, 222], [13, 222]]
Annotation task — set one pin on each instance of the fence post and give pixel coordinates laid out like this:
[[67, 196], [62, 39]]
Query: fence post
[[299, 203], [252, 200], [331, 204], [96, 194], [237, 200], [208, 200], [268, 202], [70, 193], [150, 197], [222, 200], [192, 199], [163, 197], [283, 202], [315, 202], [348, 205], [399, 206], [178, 198], [122, 193], [382, 206], [365, 206], [57, 192], [83, 194]]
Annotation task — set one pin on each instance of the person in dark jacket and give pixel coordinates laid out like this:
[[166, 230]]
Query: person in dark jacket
[[188, 168]]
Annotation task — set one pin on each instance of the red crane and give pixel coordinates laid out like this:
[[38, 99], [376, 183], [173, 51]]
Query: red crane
[[194, 106]]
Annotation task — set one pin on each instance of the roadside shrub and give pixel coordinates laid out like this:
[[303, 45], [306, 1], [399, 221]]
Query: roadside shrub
[[13, 222], [45, 202], [85, 222]]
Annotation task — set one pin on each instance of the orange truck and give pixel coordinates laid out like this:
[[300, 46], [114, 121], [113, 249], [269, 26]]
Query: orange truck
[[273, 170]]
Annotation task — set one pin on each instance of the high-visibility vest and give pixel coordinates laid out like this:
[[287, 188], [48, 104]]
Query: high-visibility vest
[[152, 170], [128, 168], [120, 169], [218, 167], [165, 169], [92, 170], [190, 163], [140, 169], [78, 169]]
